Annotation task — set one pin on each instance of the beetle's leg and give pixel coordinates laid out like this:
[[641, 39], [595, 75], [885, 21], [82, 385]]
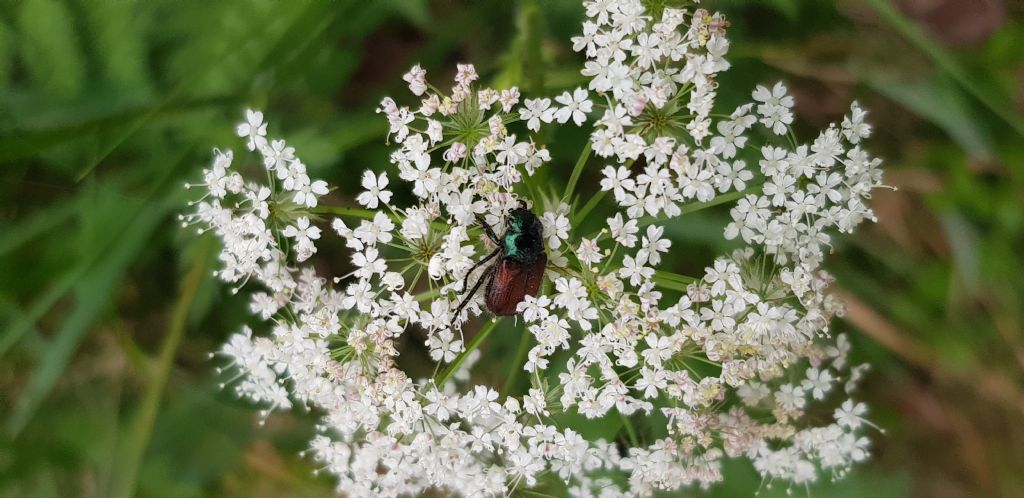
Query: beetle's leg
[[465, 280], [483, 278], [488, 230]]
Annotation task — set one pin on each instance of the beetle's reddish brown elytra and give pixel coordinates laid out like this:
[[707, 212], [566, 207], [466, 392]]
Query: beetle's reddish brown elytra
[[519, 268]]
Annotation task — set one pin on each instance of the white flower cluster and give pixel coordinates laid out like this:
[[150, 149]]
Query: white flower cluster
[[240, 213], [737, 363]]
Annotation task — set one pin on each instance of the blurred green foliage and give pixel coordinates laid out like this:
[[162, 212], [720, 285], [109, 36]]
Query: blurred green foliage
[[107, 313]]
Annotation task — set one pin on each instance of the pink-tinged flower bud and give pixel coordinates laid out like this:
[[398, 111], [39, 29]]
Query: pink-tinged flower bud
[[635, 104], [430, 105], [388, 106], [455, 153], [417, 80]]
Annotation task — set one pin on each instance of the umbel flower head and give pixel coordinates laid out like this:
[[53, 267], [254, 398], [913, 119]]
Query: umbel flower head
[[737, 363]]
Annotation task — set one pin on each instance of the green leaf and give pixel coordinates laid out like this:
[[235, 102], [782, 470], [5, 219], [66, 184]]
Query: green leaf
[[941, 102], [7, 48], [14, 331], [50, 48], [91, 283], [415, 11], [16, 235], [964, 242], [989, 94], [324, 147], [118, 119], [91, 293], [788, 8], [117, 39], [517, 364]]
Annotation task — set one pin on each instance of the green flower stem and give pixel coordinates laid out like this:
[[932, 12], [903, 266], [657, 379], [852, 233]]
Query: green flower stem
[[630, 430], [473, 344], [517, 363], [691, 208], [367, 214], [576, 172], [430, 294], [354, 212], [673, 281], [589, 206]]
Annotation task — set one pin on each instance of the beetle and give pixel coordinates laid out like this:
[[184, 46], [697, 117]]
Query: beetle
[[519, 268]]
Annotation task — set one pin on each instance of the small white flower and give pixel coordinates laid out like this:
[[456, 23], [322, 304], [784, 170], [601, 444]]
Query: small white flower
[[277, 155], [588, 252], [653, 245], [376, 190], [308, 193], [623, 232], [556, 229], [850, 414], [455, 153], [818, 382], [254, 129], [535, 404], [304, 234], [790, 398], [574, 106], [443, 347], [509, 98], [535, 111]]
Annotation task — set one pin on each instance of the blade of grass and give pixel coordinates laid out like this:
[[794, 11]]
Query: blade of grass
[[91, 282], [531, 24], [10, 312], [718, 200], [280, 52], [57, 61], [940, 101], [92, 292], [630, 430], [530, 492], [128, 459], [28, 142], [17, 235], [24, 322], [1000, 105], [77, 274]]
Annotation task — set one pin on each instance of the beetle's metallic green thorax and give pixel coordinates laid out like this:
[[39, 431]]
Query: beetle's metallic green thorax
[[524, 236]]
